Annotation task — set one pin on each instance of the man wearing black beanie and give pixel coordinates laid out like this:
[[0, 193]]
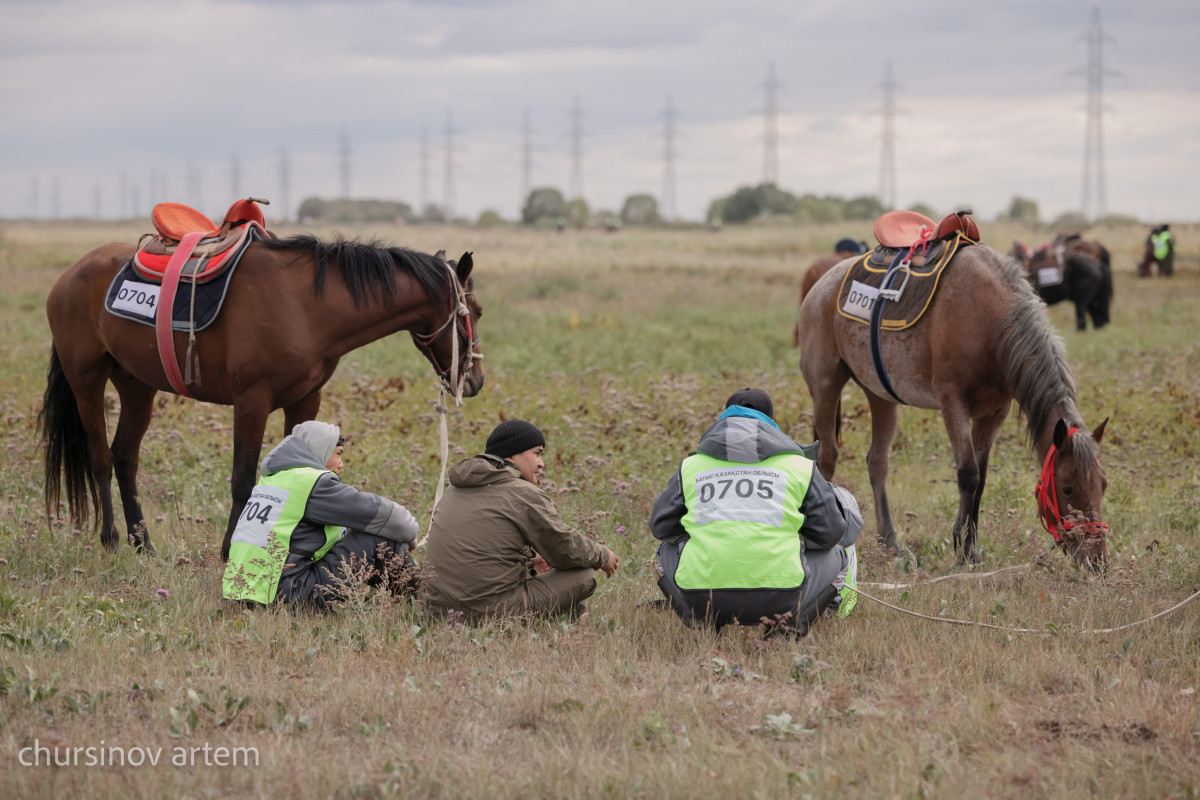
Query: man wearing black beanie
[[491, 517]]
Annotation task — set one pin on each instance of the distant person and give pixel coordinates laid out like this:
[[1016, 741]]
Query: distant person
[[497, 546], [1161, 245], [751, 533], [304, 535]]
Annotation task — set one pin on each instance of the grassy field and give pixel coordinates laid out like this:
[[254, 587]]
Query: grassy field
[[622, 348]]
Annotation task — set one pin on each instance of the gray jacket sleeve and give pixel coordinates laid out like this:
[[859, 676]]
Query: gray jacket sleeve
[[666, 517], [831, 515], [334, 503]]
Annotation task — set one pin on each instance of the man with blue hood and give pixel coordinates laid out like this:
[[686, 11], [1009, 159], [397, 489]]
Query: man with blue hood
[[751, 532], [304, 536]]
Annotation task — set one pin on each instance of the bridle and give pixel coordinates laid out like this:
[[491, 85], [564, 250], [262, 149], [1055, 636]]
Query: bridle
[[460, 319], [452, 377], [1047, 500]]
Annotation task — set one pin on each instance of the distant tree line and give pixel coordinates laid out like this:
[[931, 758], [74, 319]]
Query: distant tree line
[[547, 207]]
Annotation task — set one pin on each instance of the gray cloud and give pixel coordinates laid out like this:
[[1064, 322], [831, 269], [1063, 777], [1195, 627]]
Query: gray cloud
[[990, 106]]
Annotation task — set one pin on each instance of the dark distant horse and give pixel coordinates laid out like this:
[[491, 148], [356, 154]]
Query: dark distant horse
[[1080, 272], [984, 341], [294, 307]]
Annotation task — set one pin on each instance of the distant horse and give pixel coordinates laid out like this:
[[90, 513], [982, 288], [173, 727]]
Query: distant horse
[[1081, 274], [846, 248], [983, 341], [815, 270], [294, 307]]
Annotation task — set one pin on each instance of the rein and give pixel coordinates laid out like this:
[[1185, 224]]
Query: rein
[[1047, 500], [452, 377]]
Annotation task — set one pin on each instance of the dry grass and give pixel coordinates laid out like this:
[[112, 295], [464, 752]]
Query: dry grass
[[621, 347]]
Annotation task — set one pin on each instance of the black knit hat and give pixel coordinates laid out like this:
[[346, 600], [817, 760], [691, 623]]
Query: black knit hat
[[756, 399], [513, 436]]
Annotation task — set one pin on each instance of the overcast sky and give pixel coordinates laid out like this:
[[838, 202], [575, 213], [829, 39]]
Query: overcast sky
[[991, 100]]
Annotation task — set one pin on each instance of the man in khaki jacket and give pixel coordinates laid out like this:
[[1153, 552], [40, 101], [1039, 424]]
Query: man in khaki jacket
[[492, 514]]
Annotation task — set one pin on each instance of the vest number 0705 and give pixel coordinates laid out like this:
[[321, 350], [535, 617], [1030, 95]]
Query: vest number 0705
[[742, 488], [256, 511]]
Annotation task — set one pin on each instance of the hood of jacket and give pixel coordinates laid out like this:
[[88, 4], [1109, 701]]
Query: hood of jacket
[[747, 440], [289, 454], [483, 470]]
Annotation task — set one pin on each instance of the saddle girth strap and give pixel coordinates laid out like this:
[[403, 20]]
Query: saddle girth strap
[[876, 318], [166, 305]]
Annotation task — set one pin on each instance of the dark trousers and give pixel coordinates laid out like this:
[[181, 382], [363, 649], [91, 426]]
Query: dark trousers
[[818, 593], [318, 583]]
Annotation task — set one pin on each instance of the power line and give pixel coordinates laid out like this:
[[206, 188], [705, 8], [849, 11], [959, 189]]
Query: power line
[[424, 172], [576, 150], [345, 166], [771, 128], [285, 184], [1094, 201], [448, 186], [668, 192], [526, 162], [887, 160]]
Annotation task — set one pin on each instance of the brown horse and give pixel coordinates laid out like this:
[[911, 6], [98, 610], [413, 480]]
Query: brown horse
[[984, 341], [294, 307]]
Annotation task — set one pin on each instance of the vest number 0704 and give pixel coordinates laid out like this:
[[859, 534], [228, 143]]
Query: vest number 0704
[[742, 488], [255, 511]]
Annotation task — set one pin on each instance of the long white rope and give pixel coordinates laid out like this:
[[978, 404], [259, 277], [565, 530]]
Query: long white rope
[[971, 623]]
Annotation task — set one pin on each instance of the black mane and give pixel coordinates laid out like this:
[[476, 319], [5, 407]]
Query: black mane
[[368, 268]]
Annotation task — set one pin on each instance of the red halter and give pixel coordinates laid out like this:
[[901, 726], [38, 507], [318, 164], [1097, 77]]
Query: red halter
[[1047, 500]]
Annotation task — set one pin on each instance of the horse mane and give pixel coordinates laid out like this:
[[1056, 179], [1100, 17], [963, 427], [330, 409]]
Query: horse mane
[[1034, 360], [368, 268]]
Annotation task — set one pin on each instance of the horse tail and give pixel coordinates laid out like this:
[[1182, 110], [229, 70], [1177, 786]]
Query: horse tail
[[68, 451]]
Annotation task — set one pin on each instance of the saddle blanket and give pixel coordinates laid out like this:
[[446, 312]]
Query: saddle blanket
[[134, 298], [864, 279]]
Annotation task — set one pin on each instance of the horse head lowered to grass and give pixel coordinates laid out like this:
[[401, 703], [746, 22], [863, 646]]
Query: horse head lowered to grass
[[291, 310], [970, 348]]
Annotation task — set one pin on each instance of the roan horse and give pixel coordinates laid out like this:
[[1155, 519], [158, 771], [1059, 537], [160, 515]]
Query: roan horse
[[984, 341], [294, 307]]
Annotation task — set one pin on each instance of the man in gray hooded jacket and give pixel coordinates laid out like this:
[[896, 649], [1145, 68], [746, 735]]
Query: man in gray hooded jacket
[[303, 529], [751, 532]]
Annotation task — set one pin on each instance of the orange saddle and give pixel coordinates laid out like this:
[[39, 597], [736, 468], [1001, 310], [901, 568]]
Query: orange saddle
[[175, 220], [904, 228], [214, 252]]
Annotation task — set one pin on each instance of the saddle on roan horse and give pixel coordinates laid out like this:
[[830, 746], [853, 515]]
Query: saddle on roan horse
[[912, 245], [912, 250], [189, 247]]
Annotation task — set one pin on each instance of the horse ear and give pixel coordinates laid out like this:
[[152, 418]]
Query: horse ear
[[1098, 434], [464, 267], [440, 255], [1060, 434]]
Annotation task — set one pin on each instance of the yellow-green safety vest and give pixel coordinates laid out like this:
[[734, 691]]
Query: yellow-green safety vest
[[744, 522], [259, 547]]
